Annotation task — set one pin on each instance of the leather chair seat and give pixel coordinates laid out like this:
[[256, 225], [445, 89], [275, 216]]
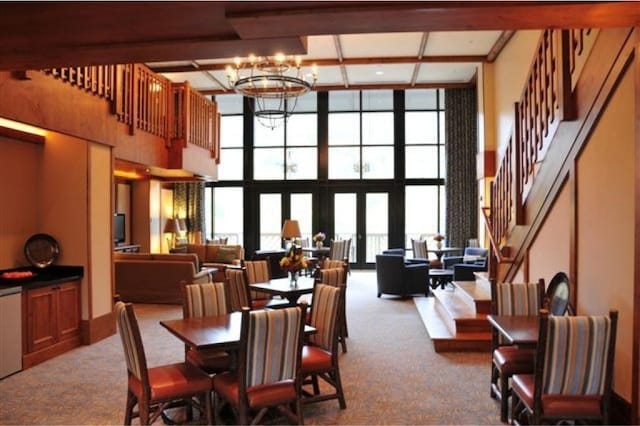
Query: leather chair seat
[[511, 360], [226, 384], [314, 359], [172, 381], [210, 361], [557, 405]]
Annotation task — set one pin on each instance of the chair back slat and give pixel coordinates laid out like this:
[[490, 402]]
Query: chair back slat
[[333, 276], [519, 298], [257, 271], [131, 340], [273, 342], [325, 316], [576, 355], [205, 300], [238, 289], [420, 249]]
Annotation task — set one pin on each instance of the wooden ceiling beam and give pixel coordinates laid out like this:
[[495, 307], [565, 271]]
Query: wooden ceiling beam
[[354, 18], [334, 62], [500, 43], [381, 86], [416, 67]]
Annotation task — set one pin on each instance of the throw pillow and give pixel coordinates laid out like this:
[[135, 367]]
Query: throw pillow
[[226, 255]]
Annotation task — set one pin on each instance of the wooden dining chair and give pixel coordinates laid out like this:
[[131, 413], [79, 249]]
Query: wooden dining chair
[[320, 353], [268, 366], [157, 388], [258, 271], [239, 291], [201, 300], [507, 360], [572, 378], [335, 277]]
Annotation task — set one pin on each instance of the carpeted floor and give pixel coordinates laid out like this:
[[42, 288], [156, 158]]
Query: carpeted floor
[[390, 373]]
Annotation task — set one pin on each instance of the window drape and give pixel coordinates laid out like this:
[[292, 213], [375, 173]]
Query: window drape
[[188, 203], [460, 151]]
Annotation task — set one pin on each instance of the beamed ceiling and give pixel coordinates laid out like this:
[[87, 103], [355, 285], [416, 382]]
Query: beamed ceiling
[[355, 45]]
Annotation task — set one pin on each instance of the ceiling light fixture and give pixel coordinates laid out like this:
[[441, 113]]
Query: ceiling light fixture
[[275, 83]]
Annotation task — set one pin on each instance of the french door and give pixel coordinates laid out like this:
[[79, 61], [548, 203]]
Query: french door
[[362, 216]]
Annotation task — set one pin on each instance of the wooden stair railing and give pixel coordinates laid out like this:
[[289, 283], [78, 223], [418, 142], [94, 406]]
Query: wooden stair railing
[[546, 100]]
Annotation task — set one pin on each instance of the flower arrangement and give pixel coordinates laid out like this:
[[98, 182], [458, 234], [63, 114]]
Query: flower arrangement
[[438, 237], [319, 237], [294, 261]]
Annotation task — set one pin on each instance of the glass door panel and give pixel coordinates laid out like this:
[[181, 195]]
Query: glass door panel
[[302, 211], [377, 224], [270, 221], [345, 221]]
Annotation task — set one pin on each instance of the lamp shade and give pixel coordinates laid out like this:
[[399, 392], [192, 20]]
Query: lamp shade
[[290, 229], [172, 226]]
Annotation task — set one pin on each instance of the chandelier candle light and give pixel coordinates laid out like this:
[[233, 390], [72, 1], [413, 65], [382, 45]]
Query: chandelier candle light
[[275, 83]]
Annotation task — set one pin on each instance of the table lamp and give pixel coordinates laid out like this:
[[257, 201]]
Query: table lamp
[[290, 230], [172, 226]]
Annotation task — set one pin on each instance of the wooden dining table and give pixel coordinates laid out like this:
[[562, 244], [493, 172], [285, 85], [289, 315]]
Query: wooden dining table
[[219, 332], [521, 330], [282, 287]]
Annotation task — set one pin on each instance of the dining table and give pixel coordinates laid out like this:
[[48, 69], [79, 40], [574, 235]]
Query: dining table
[[284, 288], [219, 332], [439, 252], [316, 251], [521, 330]]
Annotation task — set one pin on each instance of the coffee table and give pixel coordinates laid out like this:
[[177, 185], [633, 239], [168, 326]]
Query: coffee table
[[440, 277]]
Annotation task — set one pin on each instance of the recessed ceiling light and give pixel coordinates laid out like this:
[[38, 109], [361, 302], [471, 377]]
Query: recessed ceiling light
[[379, 72]]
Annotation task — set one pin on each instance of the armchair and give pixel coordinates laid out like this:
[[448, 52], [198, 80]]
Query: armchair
[[399, 278], [473, 260]]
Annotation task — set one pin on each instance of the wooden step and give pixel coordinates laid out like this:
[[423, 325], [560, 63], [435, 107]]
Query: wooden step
[[443, 331], [458, 314], [476, 294]]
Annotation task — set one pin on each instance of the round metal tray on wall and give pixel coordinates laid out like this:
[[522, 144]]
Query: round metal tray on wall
[[41, 250]]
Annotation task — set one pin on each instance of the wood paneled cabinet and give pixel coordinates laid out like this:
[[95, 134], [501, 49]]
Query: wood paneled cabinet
[[51, 321]]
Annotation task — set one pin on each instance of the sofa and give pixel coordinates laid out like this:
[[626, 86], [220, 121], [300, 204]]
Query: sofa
[[214, 256], [155, 278], [464, 267], [397, 277]]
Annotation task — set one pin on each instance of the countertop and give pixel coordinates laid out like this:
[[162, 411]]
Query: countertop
[[42, 277]]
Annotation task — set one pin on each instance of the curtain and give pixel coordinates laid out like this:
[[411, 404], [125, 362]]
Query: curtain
[[460, 151], [188, 203]]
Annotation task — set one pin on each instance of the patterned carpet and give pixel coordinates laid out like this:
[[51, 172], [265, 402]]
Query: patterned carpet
[[390, 373]]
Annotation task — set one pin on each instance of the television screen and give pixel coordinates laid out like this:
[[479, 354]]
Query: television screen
[[119, 234]]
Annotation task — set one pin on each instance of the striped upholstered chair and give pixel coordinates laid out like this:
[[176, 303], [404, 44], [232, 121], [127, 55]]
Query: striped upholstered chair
[[258, 271], [511, 299], [334, 277], [572, 378], [154, 389], [201, 300], [268, 366], [239, 293], [320, 354]]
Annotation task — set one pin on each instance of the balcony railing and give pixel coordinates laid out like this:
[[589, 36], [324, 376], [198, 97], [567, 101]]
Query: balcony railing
[[149, 102]]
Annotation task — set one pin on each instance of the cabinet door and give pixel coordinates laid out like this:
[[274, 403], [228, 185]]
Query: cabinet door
[[69, 309], [42, 318]]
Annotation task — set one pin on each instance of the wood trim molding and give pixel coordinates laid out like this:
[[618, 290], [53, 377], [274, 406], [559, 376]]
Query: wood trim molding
[[22, 136], [99, 328]]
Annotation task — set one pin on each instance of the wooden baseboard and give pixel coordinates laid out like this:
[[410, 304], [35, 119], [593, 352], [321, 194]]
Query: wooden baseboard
[[620, 410], [34, 358], [96, 329]]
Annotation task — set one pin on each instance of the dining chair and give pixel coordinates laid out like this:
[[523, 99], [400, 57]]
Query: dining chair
[[258, 271], [335, 277], [201, 300], [320, 353], [572, 378], [239, 292], [157, 388], [507, 360], [268, 370]]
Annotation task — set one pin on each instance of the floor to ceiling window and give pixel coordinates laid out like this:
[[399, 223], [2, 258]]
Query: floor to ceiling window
[[339, 164]]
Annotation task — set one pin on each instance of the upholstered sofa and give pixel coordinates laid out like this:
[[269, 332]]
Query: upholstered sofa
[[155, 278], [397, 277], [215, 256]]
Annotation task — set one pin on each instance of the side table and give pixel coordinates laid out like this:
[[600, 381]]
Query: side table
[[440, 277]]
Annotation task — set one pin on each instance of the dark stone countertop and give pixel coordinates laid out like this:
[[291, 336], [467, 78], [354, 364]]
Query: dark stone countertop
[[42, 277]]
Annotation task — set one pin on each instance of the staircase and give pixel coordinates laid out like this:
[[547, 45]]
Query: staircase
[[455, 317]]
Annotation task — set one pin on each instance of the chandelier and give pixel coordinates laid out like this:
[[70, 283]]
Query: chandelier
[[275, 84]]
